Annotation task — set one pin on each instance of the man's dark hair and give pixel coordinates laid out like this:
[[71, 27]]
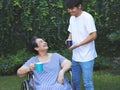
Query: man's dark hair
[[33, 44], [73, 3]]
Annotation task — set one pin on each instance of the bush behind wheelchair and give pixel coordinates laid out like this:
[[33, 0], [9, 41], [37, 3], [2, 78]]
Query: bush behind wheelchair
[[30, 77]]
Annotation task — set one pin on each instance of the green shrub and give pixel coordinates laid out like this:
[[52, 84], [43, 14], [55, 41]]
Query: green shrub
[[11, 63], [65, 52], [102, 63]]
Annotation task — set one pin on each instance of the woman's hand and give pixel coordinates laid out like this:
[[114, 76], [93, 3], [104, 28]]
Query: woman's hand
[[61, 77], [32, 67]]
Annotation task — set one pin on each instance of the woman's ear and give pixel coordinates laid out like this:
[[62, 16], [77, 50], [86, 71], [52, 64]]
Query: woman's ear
[[36, 48], [79, 6]]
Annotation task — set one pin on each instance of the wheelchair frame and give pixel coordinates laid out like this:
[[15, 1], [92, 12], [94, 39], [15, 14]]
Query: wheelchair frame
[[25, 84]]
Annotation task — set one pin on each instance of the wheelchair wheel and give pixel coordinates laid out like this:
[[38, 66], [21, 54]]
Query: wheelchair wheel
[[25, 85]]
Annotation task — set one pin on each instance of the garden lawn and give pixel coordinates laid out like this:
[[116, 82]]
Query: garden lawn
[[10, 82], [106, 81], [102, 81]]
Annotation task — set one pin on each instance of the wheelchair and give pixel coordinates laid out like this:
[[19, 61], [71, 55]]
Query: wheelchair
[[26, 83]]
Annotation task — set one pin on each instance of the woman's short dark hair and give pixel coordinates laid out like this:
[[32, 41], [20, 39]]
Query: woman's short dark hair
[[33, 44], [73, 3]]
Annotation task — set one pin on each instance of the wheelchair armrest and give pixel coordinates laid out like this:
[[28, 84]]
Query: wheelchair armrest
[[30, 76], [69, 74], [70, 71], [26, 83]]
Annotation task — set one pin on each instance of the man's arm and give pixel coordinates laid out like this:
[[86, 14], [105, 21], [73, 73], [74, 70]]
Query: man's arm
[[69, 37], [92, 36]]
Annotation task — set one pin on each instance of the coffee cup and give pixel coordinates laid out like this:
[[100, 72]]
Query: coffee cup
[[39, 67], [69, 43]]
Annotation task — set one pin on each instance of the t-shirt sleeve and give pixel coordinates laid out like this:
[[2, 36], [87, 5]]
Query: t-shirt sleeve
[[61, 58], [69, 27], [90, 24], [29, 61]]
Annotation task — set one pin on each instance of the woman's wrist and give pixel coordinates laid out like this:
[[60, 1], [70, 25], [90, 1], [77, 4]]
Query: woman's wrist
[[29, 69], [63, 71]]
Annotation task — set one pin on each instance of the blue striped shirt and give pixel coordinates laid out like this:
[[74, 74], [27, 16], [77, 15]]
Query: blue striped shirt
[[48, 79]]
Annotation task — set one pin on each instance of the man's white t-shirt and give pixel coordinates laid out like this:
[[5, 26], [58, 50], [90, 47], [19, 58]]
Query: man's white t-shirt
[[81, 27]]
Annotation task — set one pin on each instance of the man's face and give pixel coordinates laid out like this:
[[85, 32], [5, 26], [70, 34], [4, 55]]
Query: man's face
[[74, 11]]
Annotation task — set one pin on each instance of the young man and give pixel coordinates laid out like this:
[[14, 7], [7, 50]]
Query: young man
[[82, 33]]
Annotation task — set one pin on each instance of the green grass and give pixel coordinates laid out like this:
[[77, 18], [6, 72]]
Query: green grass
[[106, 81], [102, 81], [10, 82]]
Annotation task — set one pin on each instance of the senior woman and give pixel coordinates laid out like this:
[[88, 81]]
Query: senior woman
[[54, 67]]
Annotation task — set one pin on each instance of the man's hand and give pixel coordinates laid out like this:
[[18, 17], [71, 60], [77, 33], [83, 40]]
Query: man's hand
[[73, 46]]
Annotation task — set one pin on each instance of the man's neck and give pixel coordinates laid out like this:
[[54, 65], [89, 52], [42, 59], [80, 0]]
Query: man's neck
[[79, 13]]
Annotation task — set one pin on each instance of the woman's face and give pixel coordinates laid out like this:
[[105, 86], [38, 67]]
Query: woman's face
[[42, 45]]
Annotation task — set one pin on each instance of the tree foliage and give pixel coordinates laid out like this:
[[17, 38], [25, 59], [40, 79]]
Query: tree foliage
[[106, 14], [22, 19]]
